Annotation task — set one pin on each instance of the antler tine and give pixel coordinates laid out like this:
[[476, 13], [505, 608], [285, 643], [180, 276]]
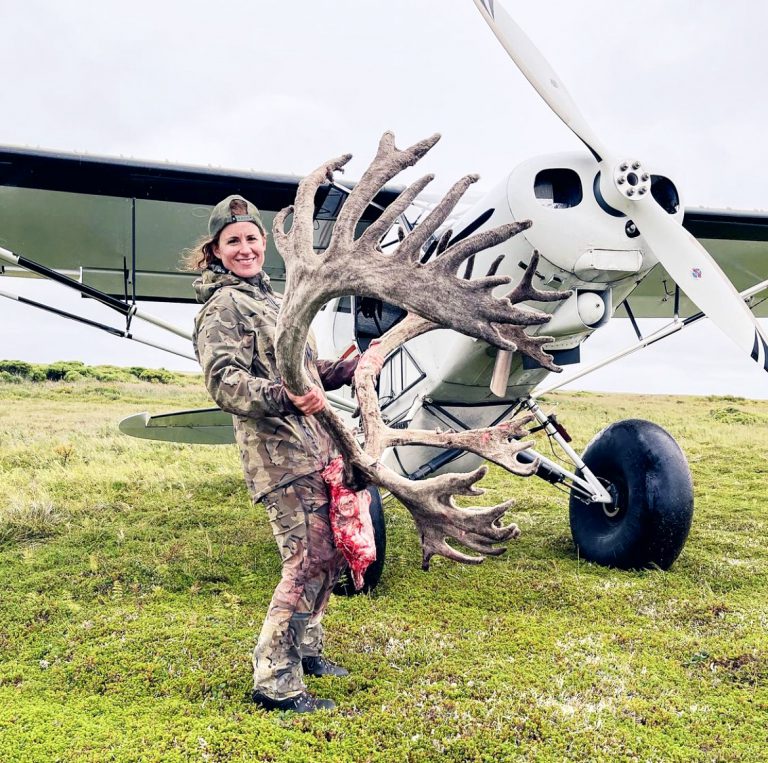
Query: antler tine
[[389, 161], [379, 228], [411, 247], [476, 528], [530, 345], [525, 290], [449, 261], [303, 229], [432, 544], [283, 241], [495, 266], [443, 242]]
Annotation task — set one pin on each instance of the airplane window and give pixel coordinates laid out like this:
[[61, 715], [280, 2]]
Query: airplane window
[[372, 318], [558, 188], [400, 372], [665, 193], [345, 305]]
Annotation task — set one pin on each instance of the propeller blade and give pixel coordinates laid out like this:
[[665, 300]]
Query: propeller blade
[[501, 373], [539, 73], [691, 266], [700, 277]]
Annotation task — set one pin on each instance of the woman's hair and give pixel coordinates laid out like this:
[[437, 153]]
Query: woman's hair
[[200, 256]]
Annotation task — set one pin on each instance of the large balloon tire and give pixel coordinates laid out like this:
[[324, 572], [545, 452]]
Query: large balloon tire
[[647, 474], [345, 586]]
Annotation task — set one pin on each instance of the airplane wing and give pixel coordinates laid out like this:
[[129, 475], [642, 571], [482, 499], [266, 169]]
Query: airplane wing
[[120, 225], [738, 241], [201, 426], [205, 426]]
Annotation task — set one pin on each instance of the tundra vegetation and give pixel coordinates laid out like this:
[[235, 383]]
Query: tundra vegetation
[[135, 575]]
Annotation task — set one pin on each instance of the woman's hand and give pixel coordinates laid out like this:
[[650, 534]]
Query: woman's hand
[[313, 402], [372, 359]]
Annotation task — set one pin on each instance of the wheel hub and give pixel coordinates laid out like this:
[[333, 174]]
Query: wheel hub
[[613, 508]]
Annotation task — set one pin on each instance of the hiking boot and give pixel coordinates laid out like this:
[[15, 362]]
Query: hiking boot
[[301, 703], [318, 666]]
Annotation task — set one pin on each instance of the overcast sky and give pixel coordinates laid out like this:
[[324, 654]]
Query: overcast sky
[[282, 86]]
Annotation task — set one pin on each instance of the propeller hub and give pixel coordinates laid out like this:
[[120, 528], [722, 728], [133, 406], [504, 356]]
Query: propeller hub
[[631, 180]]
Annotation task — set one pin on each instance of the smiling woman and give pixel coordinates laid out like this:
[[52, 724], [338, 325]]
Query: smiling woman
[[283, 447]]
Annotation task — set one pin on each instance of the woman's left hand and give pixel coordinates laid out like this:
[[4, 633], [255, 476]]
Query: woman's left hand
[[312, 402], [372, 359]]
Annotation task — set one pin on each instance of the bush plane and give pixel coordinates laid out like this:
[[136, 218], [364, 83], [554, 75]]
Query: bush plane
[[605, 228]]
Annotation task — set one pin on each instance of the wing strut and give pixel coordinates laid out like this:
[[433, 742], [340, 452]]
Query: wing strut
[[129, 311], [633, 320], [94, 324], [671, 328]]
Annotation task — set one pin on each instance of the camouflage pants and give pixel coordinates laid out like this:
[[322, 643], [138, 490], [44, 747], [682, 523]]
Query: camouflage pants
[[298, 513]]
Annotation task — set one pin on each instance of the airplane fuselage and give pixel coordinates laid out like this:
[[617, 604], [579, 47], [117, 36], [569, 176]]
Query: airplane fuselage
[[441, 379]]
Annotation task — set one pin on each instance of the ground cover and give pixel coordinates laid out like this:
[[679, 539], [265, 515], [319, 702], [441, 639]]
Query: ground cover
[[134, 576]]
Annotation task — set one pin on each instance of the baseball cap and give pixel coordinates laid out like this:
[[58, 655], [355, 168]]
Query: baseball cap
[[222, 215]]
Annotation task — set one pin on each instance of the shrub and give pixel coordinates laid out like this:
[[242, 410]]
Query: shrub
[[58, 370], [733, 415], [16, 367], [111, 374], [10, 378], [159, 375]]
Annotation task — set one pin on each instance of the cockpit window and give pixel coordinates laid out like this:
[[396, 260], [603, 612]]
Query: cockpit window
[[558, 188]]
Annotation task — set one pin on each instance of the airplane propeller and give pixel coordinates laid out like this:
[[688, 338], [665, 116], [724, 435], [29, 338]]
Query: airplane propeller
[[625, 185]]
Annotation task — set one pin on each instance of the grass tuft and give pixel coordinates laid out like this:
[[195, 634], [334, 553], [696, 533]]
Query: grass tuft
[[26, 520]]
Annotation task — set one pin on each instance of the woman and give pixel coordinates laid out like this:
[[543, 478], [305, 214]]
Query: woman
[[282, 445]]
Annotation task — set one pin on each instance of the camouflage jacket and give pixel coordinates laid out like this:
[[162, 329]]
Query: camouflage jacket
[[235, 343]]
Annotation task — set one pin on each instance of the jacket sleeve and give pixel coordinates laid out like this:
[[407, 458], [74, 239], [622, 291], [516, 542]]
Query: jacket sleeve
[[336, 373], [225, 350]]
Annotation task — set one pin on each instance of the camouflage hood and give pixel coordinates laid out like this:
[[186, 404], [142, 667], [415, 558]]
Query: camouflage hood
[[214, 278]]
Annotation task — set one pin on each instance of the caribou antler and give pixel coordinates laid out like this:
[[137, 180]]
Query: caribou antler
[[499, 444], [435, 297]]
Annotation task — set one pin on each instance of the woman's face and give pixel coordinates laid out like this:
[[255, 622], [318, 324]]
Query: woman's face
[[241, 248]]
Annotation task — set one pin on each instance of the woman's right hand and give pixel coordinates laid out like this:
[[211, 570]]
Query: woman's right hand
[[312, 402]]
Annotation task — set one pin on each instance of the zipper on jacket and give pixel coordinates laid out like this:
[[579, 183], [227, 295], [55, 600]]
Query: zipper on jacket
[[267, 292]]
